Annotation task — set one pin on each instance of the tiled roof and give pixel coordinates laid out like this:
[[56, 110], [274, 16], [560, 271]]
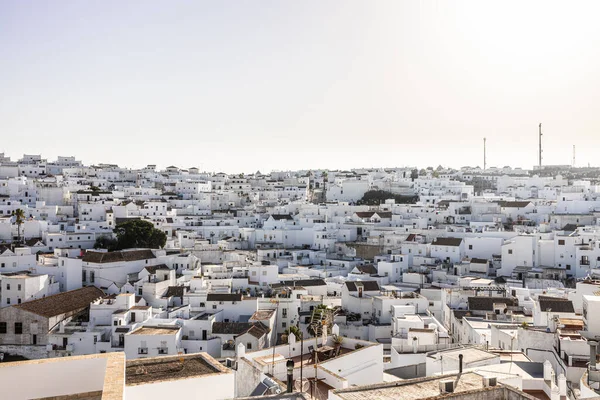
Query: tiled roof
[[117, 256], [176, 291], [304, 282], [447, 241], [62, 303], [514, 204], [556, 304], [367, 269], [279, 217], [256, 329], [484, 303], [479, 261], [368, 286], [153, 268], [224, 297], [369, 214]]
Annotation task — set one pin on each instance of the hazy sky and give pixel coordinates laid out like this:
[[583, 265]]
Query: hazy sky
[[247, 85]]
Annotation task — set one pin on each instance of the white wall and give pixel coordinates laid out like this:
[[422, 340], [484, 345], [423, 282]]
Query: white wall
[[209, 387], [50, 379]]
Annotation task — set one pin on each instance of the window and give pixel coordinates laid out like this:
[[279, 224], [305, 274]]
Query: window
[[19, 286], [8, 300], [8, 286], [2, 327], [92, 277], [568, 267], [264, 273], [142, 350], [283, 325], [284, 313], [248, 346], [18, 301], [561, 242], [18, 328], [83, 276], [202, 305], [509, 251], [2, 265], [214, 306], [470, 247]]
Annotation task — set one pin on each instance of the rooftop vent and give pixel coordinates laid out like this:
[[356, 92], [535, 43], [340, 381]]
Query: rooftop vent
[[489, 381], [447, 386]]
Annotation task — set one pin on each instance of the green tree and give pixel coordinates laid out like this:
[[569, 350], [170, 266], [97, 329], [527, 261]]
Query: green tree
[[106, 242], [19, 219], [293, 329], [414, 174], [139, 233]]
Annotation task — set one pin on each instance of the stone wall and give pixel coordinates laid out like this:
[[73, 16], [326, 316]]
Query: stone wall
[[247, 377], [31, 352]]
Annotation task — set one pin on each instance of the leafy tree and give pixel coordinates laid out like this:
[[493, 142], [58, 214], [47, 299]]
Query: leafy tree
[[414, 174], [19, 219], [106, 242], [139, 233], [293, 329]]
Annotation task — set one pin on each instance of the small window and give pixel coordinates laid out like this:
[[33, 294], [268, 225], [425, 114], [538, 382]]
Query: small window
[[248, 346], [19, 286], [509, 251], [2, 327], [18, 328], [561, 242], [8, 286]]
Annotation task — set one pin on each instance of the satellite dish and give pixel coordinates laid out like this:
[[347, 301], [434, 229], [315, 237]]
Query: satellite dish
[[302, 386]]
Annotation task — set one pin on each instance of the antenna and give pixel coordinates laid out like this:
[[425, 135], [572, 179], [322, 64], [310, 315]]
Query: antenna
[[540, 166]]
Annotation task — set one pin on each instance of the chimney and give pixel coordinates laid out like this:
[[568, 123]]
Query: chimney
[[593, 347], [460, 363]]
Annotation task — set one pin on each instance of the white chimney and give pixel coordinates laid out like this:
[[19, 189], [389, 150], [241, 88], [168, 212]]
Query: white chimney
[[547, 370], [562, 384]]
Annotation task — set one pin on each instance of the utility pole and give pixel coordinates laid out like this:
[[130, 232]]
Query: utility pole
[[573, 156], [484, 158], [540, 166]]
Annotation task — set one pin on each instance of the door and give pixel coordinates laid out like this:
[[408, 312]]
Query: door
[[65, 342], [204, 334], [121, 340], [34, 339]]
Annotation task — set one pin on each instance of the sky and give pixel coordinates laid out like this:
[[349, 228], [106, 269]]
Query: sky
[[241, 86]]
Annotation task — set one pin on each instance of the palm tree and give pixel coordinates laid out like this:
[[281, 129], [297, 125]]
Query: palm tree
[[293, 330], [20, 218]]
